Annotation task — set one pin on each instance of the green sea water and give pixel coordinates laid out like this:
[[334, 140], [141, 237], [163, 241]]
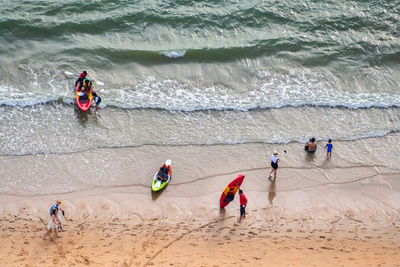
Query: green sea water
[[209, 72]]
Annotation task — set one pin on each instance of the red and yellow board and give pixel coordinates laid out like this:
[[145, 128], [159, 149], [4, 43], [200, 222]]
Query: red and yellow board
[[83, 106], [229, 192]]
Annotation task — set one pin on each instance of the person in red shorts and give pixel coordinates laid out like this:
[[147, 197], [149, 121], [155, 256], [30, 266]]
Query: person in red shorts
[[243, 204]]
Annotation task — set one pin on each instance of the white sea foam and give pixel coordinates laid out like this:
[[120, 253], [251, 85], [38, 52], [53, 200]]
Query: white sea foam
[[12, 96], [69, 74], [268, 90], [174, 54], [55, 128]]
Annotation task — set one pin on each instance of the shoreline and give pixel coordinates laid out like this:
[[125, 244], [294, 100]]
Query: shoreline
[[81, 132], [115, 167], [385, 135]]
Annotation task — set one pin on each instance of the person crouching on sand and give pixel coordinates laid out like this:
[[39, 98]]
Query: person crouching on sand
[[274, 165], [243, 204], [53, 224]]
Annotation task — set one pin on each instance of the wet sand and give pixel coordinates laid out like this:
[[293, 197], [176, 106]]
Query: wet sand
[[341, 211]]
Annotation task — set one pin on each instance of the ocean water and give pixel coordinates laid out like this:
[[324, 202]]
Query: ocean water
[[197, 72]]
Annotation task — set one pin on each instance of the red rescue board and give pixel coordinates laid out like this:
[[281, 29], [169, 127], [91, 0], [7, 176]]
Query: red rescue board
[[229, 192]]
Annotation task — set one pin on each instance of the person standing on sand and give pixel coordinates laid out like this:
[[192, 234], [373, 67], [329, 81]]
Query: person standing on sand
[[58, 217], [274, 165], [243, 204], [329, 148], [53, 224]]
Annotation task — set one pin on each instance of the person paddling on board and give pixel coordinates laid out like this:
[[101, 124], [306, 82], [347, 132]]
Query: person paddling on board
[[87, 87], [79, 81]]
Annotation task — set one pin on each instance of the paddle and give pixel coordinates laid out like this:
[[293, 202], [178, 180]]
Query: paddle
[[71, 75]]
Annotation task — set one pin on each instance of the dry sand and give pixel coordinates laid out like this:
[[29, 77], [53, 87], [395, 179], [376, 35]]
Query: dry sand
[[319, 212], [123, 243], [270, 236]]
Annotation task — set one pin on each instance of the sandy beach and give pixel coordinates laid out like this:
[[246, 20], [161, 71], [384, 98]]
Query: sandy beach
[[216, 87], [341, 211], [131, 242]]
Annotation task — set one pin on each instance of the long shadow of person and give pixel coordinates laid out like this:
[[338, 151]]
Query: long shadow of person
[[310, 156], [271, 191]]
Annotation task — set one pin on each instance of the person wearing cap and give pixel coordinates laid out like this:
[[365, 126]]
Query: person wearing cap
[[329, 148], [274, 164], [58, 217]]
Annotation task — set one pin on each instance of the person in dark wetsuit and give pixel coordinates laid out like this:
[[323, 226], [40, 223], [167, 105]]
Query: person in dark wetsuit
[[229, 197], [79, 81], [163, 174]]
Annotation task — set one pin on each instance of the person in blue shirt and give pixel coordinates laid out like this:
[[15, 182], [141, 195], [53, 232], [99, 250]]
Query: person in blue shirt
[[59, 210], [329, 148]]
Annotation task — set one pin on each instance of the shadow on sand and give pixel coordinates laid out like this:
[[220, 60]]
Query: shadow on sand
[[157, 194], [310, 156], [222, 213], [271, 191]]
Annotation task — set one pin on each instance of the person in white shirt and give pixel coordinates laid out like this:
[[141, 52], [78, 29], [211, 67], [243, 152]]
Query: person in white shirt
[[274, 165]]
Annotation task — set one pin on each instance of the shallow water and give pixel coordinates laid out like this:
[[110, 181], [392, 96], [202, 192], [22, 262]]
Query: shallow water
[[209, 72], [199, 170]]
